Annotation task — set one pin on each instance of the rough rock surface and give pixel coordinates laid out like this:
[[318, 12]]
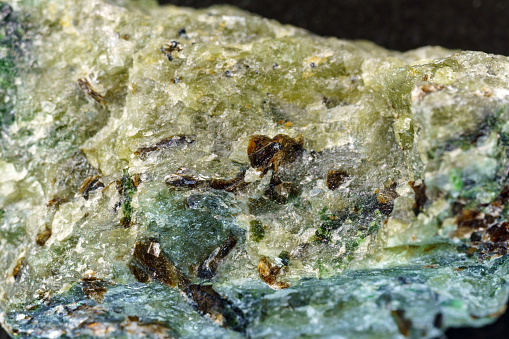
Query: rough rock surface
[[190, 173]]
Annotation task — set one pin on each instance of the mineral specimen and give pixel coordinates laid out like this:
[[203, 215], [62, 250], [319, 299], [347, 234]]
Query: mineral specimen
[[209, 173]]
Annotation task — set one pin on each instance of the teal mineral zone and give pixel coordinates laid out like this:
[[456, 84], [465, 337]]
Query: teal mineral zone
[[173, 172]]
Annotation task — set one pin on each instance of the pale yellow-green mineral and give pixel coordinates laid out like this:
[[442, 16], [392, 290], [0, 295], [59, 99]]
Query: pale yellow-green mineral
[[189, 173]]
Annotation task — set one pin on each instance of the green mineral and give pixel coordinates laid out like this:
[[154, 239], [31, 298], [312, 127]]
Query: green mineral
[[189, 173]]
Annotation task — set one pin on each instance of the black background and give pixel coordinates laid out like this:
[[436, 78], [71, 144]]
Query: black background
[[401, 25], [396, 24]]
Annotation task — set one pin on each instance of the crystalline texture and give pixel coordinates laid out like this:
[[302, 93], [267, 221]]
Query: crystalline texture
[[170, 171]]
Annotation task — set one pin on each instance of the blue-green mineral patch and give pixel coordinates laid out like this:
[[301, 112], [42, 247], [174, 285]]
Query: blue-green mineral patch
[[172, 172]]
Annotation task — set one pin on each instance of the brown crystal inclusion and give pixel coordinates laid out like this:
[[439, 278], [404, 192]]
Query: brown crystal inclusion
[[208, 268], [269, 272], [90, 184], [150, 262], [265, 153], [171, 142], [336, 178], [89, 90], [43, 236], [94, 288]]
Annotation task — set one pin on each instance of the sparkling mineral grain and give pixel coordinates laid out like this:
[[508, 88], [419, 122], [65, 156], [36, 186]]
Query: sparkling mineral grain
[[171, 172]]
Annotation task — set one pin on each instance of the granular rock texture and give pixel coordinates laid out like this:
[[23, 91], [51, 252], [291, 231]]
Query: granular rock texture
[[209, 173]]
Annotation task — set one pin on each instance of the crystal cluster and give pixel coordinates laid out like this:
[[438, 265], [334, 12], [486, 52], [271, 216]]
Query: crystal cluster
[[176, 172]]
